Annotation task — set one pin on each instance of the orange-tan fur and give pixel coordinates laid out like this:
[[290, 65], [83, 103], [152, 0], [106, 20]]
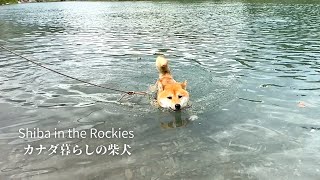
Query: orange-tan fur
[[171, 94]]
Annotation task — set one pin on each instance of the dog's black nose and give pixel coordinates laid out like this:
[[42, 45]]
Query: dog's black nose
[[177, 106]]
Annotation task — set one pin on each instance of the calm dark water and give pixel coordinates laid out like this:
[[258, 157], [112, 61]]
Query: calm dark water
[[253, 71]]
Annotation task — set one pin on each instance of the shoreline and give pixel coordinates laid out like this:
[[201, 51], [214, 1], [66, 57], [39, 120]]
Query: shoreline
[[11, 2]]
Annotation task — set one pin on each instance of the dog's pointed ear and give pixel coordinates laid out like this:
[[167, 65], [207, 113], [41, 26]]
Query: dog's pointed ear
[[184, 84], [160, 86]]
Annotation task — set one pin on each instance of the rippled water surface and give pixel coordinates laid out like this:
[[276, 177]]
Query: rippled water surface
[[253, 72]]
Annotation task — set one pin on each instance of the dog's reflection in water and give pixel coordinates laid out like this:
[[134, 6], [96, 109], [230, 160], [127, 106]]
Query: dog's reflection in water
[[177, 122]]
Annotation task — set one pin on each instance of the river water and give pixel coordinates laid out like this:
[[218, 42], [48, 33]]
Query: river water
[[253, 72]]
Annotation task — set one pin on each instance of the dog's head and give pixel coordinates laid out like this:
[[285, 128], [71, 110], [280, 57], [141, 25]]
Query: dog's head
[[173, 96]]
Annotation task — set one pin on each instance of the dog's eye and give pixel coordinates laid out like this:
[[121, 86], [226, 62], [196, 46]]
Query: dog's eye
[[169, 97], [179, 97]]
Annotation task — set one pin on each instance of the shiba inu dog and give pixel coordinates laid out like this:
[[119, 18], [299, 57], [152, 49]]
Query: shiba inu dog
[[171, 94]]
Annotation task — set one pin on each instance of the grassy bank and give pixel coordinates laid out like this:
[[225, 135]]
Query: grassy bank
[[8, 1]]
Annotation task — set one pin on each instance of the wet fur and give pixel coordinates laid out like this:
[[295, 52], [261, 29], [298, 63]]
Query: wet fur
[[171, 94]]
